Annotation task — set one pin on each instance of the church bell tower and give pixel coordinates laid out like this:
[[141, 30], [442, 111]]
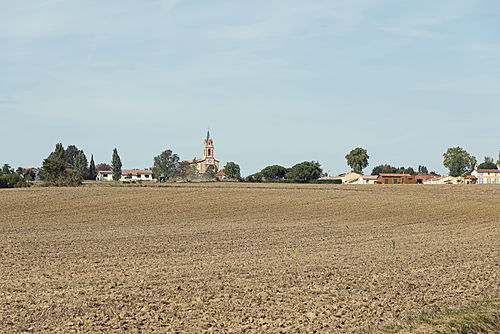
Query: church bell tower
[[208, 147]]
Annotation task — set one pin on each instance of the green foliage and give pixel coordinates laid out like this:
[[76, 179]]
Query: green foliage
[[383, 169], [210, 173], [391, 169], [102, 167], [58, 153], [78, 166], [257, 177], [166, 163], [305, 171], [188, 171], [92, 170], [423, 170], [498, 161], [6, 169], [232, 170], [274, 172], [54, 171], [29, 174], [357, 159], [458, 161], [71, 153], [487, 164], [12, 181], [116, 165]]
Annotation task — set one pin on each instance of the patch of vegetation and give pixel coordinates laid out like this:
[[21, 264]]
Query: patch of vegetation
[[12, 181], [483, 317]]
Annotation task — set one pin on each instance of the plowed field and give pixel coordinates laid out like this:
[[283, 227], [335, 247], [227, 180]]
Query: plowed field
[[243, 258]]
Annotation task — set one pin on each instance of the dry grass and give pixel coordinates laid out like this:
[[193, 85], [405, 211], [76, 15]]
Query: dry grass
[[243, 257]]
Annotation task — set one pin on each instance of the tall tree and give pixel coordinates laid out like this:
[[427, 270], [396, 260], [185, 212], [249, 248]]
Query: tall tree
[[166, 163], [498, 161], [92, 171], [305, 171], [487, 164], [116, 165], [232, 170], [423, 170], [274, 172], [357, 159], [58, 153], [78, 167], [458, 161]]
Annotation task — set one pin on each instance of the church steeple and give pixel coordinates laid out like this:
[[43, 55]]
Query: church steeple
[[208, 147]]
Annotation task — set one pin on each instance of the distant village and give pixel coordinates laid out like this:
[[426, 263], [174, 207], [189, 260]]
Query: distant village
[[69, 167]]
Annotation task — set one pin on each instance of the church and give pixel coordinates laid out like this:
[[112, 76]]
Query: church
[[208, 157]]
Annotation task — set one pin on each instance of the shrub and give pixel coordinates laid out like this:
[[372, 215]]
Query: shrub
[[12, 181]]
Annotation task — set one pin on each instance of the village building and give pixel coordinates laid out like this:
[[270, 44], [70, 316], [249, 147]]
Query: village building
[[393, 178], [347, 178], [421, 179], [220, 175], [366, 179], [445, 180], [487, 176], [127, 175], [208, 159]]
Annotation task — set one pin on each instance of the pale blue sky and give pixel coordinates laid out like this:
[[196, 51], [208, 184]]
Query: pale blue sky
[[277, 82]]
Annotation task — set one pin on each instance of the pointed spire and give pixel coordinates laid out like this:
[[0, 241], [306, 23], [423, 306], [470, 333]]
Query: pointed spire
[[208, 134]]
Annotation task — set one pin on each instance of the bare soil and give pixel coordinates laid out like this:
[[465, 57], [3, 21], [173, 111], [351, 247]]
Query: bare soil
[[243, 257]]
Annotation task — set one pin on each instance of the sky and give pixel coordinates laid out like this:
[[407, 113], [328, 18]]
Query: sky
[[276, 82]]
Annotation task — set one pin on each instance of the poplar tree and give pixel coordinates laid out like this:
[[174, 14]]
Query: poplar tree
[[116, 165]]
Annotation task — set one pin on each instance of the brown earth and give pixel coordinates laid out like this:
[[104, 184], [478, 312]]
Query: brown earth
[[243, 258]]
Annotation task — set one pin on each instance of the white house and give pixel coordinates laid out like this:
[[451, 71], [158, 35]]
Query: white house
[[127, 175], [487, 176], [445, 180], [366, 179], [104, 175]]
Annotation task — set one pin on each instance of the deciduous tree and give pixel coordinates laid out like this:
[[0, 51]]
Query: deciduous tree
[[357, 159], [305, 171], [458, 161], [166, 163], [274, 172], [232, 170]]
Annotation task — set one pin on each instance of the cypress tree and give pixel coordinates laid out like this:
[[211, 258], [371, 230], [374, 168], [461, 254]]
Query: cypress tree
[[116, 165], [92, 173]]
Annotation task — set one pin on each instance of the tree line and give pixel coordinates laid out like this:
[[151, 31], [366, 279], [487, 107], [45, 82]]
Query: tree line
[[456, 159], [69, 167]]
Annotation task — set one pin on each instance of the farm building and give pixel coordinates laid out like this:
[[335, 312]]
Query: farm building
[[392, 178], [127, 175], [487, 176]]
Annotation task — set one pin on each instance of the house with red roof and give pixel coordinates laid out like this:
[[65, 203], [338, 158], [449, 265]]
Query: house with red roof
[[394, 178], [221, 175], [487, 176]]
